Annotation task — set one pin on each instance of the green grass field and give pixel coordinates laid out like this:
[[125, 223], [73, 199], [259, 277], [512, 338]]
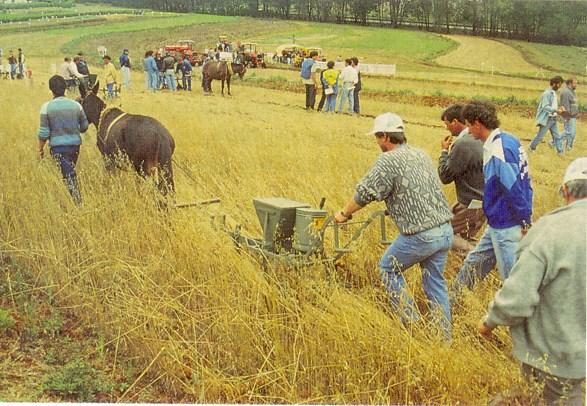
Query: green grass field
[[567, 59], [163, 308], [54, 12]]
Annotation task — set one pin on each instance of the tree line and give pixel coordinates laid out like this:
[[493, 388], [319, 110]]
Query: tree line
[[558, 22]]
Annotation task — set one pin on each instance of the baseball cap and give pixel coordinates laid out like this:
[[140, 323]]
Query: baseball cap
[[577, 170], [387, 123]]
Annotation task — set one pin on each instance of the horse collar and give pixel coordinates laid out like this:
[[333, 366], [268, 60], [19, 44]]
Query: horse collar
[[116, 120]]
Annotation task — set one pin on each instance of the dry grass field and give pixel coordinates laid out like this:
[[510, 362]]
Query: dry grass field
[[199, 321], [486, 55]]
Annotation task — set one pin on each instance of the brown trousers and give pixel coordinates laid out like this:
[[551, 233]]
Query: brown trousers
[[467, 222]]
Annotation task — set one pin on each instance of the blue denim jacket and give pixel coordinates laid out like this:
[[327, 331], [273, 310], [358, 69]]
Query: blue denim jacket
[[545, 107]]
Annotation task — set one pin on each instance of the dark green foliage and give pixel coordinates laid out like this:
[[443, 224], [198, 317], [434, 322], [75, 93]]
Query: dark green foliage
[[559, 22], [76, 380], [6, 321]]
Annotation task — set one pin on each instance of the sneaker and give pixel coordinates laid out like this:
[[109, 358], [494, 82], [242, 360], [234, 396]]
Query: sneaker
[[551, 144]]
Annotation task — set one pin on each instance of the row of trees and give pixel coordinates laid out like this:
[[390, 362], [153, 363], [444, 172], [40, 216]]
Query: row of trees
[[561, 22]]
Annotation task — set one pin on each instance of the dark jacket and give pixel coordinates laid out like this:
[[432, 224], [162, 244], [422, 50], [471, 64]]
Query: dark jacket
[[463, 165]]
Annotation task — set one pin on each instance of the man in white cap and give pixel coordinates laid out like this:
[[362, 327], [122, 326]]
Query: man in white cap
[[406, 179], [543, 300]]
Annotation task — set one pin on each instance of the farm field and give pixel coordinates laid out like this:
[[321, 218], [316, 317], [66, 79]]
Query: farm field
[[553, 57], [167, 309]]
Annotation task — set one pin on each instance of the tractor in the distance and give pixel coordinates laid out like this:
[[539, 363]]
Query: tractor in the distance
[[251, 55], [183, 48]]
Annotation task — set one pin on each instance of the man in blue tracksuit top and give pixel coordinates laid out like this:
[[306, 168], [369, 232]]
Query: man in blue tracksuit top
[[62, 121], [507, 197]]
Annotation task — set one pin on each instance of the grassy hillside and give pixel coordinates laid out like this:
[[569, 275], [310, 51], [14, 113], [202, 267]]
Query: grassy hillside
[[565, 59]]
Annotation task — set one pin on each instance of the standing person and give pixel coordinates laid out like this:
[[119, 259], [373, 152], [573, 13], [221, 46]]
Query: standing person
[[323, 93], [161, 69], [62, 121], [168, 64], [358, 86], [151, 71], [349, 79], [124, 60], [543, 300], [310, 79], [12, 61], [507, 196], [21, 64], [546, 116], [461, 162], [330, 85], [186, 70], [570, 106], [109, 76], [84, 70], [404, 177]]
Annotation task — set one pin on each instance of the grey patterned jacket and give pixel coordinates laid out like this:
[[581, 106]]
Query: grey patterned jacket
[[406, 180]]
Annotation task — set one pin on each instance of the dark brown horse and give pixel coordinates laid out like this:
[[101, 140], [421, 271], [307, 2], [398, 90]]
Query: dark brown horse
[[220, 71], [145, 141]]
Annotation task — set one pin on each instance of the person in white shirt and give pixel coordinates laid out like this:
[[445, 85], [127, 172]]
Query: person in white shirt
[[68, 70], [348, 79]]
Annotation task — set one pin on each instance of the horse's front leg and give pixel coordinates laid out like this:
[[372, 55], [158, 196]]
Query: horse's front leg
[[228, 84], [222, 87]]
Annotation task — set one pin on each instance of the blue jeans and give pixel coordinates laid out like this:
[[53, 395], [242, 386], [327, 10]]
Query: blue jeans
[[154, 80], [551, 125], [330, 105], [346, 93], [497, 246], [110, 88], [66, 157], [430, 249], [570, 131], [186, 82], [170, 80]]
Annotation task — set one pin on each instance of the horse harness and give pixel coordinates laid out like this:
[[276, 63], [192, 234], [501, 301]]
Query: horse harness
[[116, 120]]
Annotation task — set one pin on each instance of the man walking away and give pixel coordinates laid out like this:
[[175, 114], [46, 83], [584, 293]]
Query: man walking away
[[404, 177], [310, 79], [349, 79], [358, 86], [461, 162], [62, 121], [546, 116], [570, 106], [124, 60], [543, 300], [507, 196]]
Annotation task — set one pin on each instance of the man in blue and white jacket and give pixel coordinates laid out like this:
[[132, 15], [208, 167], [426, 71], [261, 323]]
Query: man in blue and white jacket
[[507, 197], [546, 116]]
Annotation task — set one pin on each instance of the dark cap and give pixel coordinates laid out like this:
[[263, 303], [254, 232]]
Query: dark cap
[[57, 85]]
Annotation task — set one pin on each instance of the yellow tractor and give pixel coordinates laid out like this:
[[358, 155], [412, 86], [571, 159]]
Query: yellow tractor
[[291, 54]]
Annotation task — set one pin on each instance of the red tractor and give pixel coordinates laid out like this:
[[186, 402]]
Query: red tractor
[[251, 56], [183, 48]]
